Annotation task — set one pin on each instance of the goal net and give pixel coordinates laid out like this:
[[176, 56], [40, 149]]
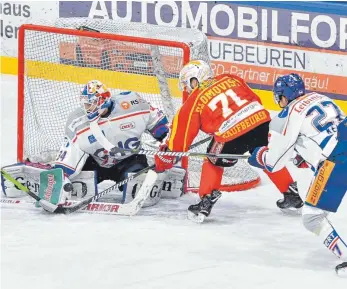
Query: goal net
[[56, 58]]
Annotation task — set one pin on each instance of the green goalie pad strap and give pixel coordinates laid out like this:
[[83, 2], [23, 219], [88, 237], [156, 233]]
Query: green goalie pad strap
[[51, 183]]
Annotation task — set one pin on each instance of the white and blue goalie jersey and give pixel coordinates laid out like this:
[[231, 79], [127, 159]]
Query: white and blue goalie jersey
[[130, 116], [307, 126]]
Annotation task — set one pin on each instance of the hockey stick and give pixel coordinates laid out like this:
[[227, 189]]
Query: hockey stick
[[154, 144], [184, 154], [45, 204], [133, 204], [93, 207], [124, 209], [85, 202]]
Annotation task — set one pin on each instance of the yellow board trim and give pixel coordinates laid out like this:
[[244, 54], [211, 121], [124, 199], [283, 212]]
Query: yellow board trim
[[9, 65], [318, 186], [126, 81]]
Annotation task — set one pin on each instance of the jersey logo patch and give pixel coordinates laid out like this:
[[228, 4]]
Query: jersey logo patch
[[125, 105], [92, 138], [127, 125]]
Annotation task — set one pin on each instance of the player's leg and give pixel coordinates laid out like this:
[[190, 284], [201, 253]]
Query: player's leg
[[325, 195], [282, 179], [118, 172], [212, 172], [92, 165], [131, 164], [210, 181]]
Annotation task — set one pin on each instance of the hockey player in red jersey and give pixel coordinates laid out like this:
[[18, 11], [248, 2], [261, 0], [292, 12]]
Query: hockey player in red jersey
[[226, 108]]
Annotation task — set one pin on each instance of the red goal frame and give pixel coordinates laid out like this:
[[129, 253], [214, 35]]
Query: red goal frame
[[21, 65], [67, 31]]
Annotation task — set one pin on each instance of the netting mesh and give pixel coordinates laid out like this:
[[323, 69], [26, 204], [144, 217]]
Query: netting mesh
[[57, 65]]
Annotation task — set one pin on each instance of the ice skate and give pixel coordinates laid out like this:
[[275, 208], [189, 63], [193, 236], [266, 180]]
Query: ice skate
[[291, 203], [341, 269], [200, 211]]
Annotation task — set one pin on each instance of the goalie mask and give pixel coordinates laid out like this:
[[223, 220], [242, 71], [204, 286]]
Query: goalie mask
[[198, 69], [95, 98]]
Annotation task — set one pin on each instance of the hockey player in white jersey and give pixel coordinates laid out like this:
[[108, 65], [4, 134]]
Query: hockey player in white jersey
[[95, 135], [103, 121], [314, 128], [94, 132]]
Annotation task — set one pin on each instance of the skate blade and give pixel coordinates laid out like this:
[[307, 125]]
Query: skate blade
[[292, 211], [199, 218], [342, 272]]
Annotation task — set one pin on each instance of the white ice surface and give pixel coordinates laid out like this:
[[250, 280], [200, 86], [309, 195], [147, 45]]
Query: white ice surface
[[245, 243]]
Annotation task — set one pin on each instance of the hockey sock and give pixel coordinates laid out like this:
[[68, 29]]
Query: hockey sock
[[281, 179], [211, 178], [332, 240]]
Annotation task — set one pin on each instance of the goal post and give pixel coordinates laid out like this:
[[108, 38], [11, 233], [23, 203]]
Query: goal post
[[64, 31], [56, 58]]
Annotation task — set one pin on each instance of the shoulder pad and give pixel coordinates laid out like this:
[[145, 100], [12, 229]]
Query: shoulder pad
[[277, 123], [76, 120], [129, 101]]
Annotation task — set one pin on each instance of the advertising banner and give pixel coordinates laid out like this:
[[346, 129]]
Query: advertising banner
[[257, 43], [16, 13]]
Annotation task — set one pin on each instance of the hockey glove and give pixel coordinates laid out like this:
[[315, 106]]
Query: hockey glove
[[256, 159], [163, 163]]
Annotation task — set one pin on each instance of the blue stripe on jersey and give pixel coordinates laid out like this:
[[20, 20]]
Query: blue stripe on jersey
[[325, 141]]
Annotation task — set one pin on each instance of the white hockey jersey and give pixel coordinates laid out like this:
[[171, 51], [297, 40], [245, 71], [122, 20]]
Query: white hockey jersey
[[307, 126], [129, 117]]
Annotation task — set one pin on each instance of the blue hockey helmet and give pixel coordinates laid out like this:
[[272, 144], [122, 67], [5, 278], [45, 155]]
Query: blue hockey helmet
[[291, 86]]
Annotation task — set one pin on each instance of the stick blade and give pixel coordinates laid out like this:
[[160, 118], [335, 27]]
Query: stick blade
[[47, 206]]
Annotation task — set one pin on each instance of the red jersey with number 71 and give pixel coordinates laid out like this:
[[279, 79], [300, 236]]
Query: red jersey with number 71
[[224, 106]]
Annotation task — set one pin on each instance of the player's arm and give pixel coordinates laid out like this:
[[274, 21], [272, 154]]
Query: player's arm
[[283, 133], [185, 126], [184, 129], [70, 158], [157, 123]]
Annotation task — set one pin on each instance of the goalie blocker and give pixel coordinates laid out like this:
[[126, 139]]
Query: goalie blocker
[[168, 185]]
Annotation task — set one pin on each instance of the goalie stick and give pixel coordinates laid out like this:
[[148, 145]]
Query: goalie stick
[[92, 208], [128, 209], [125, 209], [67, 210]]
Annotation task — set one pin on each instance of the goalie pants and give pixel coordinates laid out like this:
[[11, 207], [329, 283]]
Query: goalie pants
[[118, 172], [212, 170]]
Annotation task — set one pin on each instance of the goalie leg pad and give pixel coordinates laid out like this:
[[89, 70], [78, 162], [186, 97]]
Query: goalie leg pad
[[173, 183], [131, 189], [83, 184], [169, 185], [28, 176]]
